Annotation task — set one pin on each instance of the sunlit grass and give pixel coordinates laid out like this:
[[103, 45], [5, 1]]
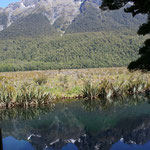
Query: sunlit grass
[[43, 87]]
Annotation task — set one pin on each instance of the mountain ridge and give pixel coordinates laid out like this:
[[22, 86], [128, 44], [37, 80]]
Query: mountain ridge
[[66, 16], [52, 9]]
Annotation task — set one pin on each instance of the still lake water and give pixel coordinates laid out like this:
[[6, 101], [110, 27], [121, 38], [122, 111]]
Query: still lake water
[[77, 126]]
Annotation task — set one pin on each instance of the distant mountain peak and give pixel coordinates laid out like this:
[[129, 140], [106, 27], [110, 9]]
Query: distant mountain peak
[[28, 3], [52, 9], [62, 16]]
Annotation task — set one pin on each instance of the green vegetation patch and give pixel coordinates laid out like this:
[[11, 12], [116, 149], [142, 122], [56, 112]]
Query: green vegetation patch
[[80, 50]]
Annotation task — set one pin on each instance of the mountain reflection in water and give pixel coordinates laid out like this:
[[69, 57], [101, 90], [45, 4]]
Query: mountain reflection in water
[[78, 125], [11, 143], [122, 146]]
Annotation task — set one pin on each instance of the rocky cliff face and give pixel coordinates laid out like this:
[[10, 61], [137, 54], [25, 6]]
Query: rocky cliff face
[[61, 16], [66, 10]]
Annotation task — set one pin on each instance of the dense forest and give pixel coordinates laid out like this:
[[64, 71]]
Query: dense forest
[[78, 50]]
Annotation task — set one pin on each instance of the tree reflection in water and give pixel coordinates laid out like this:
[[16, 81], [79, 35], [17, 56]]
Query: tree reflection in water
[[106, 104]]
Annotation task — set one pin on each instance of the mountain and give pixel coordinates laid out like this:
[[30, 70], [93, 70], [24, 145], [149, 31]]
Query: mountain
[[31, 25], [92, 19], [58, 34], [56, 12], [36, 17]]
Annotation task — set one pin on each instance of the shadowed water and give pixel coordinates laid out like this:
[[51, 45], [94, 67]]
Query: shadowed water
[[78, 125]]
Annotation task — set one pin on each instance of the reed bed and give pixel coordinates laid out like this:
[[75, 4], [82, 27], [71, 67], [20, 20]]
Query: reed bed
[[108, 89], [118, 87], [25, 89]]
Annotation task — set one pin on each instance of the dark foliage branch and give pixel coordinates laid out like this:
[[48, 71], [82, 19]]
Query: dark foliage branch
[[136, 7]]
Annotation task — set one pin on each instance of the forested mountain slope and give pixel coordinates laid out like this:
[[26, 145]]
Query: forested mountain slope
[[78, 50], [56, 34]]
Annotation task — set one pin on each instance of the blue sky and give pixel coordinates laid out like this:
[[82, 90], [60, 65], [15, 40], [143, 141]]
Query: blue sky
[[4, 3]]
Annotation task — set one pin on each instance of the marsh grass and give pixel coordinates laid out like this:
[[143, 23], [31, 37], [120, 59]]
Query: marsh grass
[[33, 95], [90, 91], [40, 80], [24, 96], [7, 94], [117, 87], [45, 87]]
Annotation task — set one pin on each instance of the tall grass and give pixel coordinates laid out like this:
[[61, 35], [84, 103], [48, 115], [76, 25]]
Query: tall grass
[[109, 88], [36, 88], [40, 80], [33, 95], [26, 95], [90, 91]]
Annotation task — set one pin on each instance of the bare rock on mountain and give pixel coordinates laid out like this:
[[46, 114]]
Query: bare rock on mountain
[[52, 9], [63, 16]]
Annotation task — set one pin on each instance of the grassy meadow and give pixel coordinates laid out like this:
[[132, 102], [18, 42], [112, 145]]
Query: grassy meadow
[[35, 88]]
